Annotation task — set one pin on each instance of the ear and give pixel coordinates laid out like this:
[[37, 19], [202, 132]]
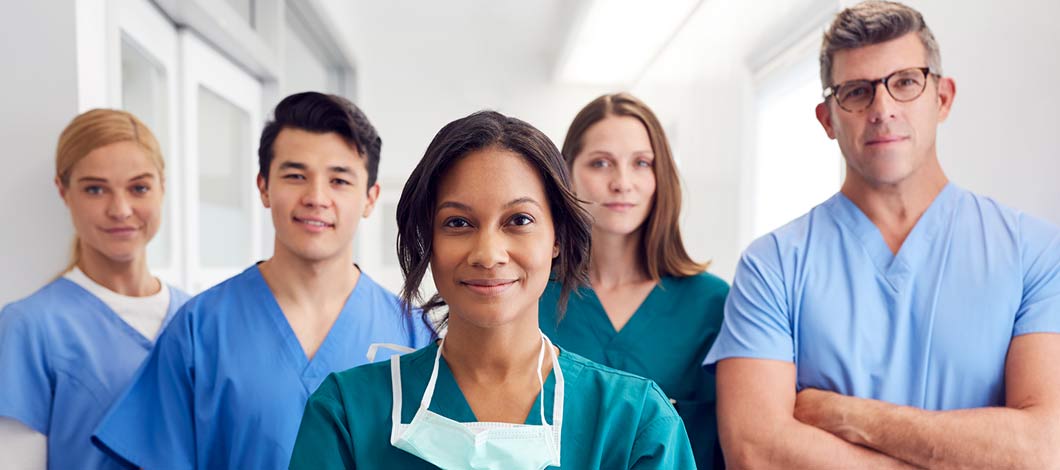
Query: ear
[[62, 189], [555, 251], [369, 203], [947, 92], [824, 116], [263, 191]]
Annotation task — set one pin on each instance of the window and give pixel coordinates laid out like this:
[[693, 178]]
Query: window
[[796, 166]]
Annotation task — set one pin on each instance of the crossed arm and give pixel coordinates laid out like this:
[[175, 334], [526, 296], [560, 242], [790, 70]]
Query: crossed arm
[[764, 423]]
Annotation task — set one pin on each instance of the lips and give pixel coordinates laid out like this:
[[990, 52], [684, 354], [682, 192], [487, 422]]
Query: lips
[[488, 287], [313, 224], [120, 231], [619, 206], [883, 140]]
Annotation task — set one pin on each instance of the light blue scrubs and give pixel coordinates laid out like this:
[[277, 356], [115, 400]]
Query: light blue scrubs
[[228, 381], [929, 327], [65, 356]]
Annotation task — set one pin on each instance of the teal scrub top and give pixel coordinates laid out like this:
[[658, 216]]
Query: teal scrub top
[[611, 419], [665, 340]]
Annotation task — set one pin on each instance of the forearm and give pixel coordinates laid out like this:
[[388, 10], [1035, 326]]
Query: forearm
[[791, 444], [980, 437]]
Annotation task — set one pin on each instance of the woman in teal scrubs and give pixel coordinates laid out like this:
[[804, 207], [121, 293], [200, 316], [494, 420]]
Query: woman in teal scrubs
[[489, 211], [652, 310]]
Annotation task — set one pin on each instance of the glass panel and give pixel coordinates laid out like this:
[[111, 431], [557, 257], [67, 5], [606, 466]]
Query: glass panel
[[144, 92], [244, 8], [388, 244], [225, 157]]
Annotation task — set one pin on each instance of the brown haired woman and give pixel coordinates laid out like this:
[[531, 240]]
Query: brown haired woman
[[69, 349], [651, 310]]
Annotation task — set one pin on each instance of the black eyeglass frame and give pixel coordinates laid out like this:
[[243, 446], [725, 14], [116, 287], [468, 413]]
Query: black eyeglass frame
[[830, 92]]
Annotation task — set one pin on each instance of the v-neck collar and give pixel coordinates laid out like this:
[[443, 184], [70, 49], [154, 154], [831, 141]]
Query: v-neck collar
[[449, 400], [310, 371], [896, 268], [110, 315], [641, 317]]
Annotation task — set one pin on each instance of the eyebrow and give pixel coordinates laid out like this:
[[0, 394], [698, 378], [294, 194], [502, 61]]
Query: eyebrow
[[97, 179], [467, 208], [303, 167]]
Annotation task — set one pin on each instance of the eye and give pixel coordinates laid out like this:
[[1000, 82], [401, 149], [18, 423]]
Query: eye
[[340, 181], [293, 176], [644, 163], [600, 163], [456, 222], [93, 190], [141, 189], [521, 220]]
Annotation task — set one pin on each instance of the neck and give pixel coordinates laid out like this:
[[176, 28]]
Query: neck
[[494, 354], [293, 278], [616, 259], [895, 208], [131, 278]]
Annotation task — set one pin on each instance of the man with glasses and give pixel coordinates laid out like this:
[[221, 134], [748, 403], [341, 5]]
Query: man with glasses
[[905, 322]]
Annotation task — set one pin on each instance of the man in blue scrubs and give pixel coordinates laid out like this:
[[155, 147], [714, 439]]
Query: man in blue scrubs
[[905, 322], [227, 383]]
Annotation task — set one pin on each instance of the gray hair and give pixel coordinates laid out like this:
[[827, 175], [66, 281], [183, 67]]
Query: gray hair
[[874, 22]]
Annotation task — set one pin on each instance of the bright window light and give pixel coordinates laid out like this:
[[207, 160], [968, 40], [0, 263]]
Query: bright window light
[[615, 40]]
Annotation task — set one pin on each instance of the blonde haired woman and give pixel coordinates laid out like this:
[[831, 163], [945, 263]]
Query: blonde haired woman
[[70, 348]]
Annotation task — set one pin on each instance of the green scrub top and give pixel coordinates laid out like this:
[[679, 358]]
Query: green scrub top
[[665, 340], [611, 419]]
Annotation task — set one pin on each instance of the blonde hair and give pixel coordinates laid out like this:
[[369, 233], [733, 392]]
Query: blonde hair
[[662, 250], [98, 128]]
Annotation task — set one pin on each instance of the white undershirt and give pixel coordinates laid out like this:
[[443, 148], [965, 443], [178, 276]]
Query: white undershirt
[[22, 447], [144, 314]]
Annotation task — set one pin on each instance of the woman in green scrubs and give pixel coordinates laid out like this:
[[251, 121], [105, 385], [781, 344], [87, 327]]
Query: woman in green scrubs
[[651, 310], [489, 211]]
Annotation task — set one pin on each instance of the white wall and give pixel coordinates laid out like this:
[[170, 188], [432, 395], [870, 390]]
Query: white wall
[[38, 92], [1001, 137]]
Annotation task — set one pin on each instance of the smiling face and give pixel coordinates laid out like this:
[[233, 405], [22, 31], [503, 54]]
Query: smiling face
[[115, 199], [317, 192], [493, 239], [890, 141], [615, 173]]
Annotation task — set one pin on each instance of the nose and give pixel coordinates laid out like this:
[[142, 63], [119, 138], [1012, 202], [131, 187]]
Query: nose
[[119, 207], [489, 250], [620, 180], [883, 106], [316, 193]]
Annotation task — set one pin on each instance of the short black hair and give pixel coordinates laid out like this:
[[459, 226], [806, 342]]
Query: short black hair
[[321, 113], [484, 129]]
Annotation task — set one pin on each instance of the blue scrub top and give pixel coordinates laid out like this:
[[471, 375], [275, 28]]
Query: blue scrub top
[[665, 340], [228, 381], [65, 357], [611, 419], [929, 327]]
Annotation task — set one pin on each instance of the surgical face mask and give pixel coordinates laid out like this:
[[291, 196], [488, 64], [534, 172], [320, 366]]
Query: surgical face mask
[[480, 445]]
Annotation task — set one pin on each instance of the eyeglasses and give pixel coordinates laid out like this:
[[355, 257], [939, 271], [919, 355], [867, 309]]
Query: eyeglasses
[[903, 85]]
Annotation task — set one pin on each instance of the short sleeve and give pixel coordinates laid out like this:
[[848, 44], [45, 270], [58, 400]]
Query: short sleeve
[[757, 322], [28, 385], [324, 440], [1039, 310], [151, 425], [662, 441]]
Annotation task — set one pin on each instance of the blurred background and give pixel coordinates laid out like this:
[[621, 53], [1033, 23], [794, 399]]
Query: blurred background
[[733, 81]]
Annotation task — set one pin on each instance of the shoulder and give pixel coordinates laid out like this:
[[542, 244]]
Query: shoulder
[[50, 303], [703, 283], [1022, 228], [379, 295], [611, 385], [224, 293]]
